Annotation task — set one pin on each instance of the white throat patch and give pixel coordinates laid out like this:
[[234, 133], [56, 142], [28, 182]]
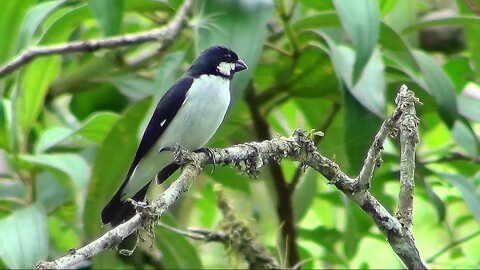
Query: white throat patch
[[225, 68]]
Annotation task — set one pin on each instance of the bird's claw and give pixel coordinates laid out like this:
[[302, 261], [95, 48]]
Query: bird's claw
[[210, 155]]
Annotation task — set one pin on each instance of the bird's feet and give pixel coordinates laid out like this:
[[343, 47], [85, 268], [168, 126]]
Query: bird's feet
[[210, 155]]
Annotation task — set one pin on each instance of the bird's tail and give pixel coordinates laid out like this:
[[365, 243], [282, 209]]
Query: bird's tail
[[118, 210]]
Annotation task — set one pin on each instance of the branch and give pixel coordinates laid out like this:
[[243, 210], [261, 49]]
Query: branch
[[249, 158], [408, 139], [144, 214], [373, 156], [165, 34]]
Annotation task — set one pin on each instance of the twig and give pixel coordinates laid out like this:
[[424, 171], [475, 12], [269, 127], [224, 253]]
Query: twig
[[249, 158], [373, 156], [452, 245], [408, 139], [117, 234], [323, 127], [165, 34]]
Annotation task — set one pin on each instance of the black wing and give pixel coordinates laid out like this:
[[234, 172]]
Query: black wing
[[116, 210], [166, 109]]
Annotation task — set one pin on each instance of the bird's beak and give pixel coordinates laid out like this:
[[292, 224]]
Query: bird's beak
[[240, 65]]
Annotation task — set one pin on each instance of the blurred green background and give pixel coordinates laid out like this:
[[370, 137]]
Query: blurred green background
[[69, 126]]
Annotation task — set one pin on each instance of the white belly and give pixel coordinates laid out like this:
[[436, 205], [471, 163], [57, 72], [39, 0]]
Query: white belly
[[193, 126], [201, 114]]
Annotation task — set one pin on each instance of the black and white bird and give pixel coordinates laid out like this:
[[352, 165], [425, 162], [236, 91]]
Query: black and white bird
[[188, 114]]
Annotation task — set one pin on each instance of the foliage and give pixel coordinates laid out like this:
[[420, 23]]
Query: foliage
[[69, 124]]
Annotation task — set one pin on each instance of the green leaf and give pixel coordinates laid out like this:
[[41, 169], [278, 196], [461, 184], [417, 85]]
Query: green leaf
[[439, 86], [465, 137], [11, 15], [33, 20], [177, 251], [318, 5], [112, 162], [71, 165], [469, 107], [168, 72], [96, 127], [132, 86], [470, 193], [5, 123], [363, 29], [396, 47], [51, 137], [360, 129], [466, 20], [33, 89], [24, 238], [471, 29], [369, 90], [109, 14], [436, 201], [240, 18], [304, 194], [323, 19]]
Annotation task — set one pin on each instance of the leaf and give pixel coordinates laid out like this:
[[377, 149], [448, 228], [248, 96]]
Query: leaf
[[469, 107], [34, 87], [11, 15], [225, 17], [369, 90], [470, 193], [304, 194], [72, 165], [50, 193], [132, 86], [96, 127], [397, 48], [323, 19], [168, 72], [439, 86], [318, 5], [5, 123], [177, 251], [471, 30], [33, 20], [24, 238], [109, 14], [465, 137], [435, 200], [38, 75], [111, 163], [466, 20], [51, 137], [363, 29], [360, 128]]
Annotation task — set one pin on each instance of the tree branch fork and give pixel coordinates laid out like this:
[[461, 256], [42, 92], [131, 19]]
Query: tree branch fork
[[250, 157]]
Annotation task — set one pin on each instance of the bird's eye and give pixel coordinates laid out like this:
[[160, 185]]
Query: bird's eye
[[228, 56]]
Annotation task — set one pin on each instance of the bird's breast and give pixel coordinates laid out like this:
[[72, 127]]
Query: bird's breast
[[201, 114]]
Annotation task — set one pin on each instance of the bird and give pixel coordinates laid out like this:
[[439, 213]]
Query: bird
[[188, 114]]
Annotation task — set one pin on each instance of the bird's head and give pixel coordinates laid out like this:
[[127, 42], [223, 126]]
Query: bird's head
[[218, 61]]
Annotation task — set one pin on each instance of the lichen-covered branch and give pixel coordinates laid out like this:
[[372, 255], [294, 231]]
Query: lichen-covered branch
[[249, 158], [164, 34], [148, 213], [373, 158], [408, 139]]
